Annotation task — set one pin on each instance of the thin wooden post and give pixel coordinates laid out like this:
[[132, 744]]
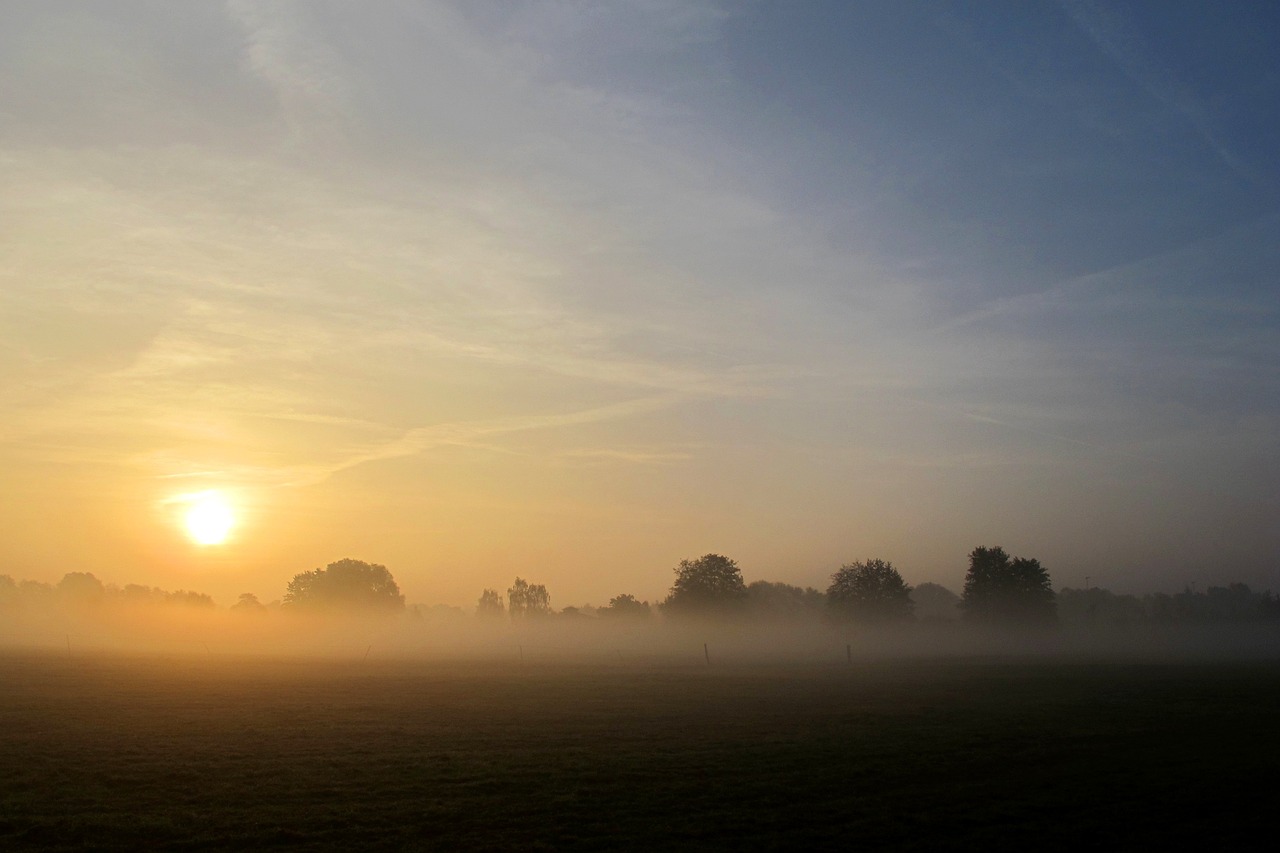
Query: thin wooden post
[[706, 654]]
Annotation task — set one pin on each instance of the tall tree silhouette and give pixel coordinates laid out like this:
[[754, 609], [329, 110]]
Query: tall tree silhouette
[[528, 600], [490, 604]]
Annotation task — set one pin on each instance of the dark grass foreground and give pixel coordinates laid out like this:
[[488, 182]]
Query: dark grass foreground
[[146, 753]]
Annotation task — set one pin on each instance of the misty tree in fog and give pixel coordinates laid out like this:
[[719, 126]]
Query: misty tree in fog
[[490, 604], [1098, 606], [935, 603], [708, 585], [1235, 602], [248, 603], [81, 587], [346, 584], [8, 590], [528, 600], [37, 592], [437, 612], [190, 598], [769, 600], [1003, 589], [871, 591], [626, 606], [1232, 603], [136, 593]]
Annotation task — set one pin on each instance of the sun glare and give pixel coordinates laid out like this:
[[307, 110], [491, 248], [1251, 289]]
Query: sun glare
[[209, 520]]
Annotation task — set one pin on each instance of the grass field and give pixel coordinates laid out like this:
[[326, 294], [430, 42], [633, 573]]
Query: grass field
[[121, 752]]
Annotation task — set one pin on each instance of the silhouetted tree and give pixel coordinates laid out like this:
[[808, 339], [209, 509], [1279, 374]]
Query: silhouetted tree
[[345, 584], [528, 600], [935, 603], [768, 600], [490, 604], [710, 584], [998, 588], [626, 606], [870, 592]]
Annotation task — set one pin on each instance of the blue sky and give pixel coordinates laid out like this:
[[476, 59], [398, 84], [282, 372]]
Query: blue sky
[[480, 289]]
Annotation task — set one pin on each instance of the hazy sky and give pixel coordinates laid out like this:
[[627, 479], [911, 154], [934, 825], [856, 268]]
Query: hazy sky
[[576, 290]]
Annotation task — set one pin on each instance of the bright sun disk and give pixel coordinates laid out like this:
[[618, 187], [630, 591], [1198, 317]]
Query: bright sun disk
[[209, 520]]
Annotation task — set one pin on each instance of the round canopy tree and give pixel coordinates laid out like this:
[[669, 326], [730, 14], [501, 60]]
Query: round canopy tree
[[347, 584], [709, 584], [871, 592]]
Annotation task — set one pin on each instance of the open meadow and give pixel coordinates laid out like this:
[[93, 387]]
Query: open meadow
[[185, 752]]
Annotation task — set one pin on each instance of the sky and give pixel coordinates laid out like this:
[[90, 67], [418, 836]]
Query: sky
[[573, 291]]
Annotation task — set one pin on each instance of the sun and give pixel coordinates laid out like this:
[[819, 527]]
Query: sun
[[209, 520]]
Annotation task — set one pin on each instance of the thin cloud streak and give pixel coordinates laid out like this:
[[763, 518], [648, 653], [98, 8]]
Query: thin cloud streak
[[419, 440], [1107, 28]]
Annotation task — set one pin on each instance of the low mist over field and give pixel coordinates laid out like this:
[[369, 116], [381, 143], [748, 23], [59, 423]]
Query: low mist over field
[[351, 610]]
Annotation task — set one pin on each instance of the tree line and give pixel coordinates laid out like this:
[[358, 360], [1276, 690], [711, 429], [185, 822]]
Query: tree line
[[999, 589], [83, 589]]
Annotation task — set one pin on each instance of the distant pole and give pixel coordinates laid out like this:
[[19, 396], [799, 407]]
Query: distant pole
[[521, 653], [68, 644], [848, 652], [366, 653], [706, 653]]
